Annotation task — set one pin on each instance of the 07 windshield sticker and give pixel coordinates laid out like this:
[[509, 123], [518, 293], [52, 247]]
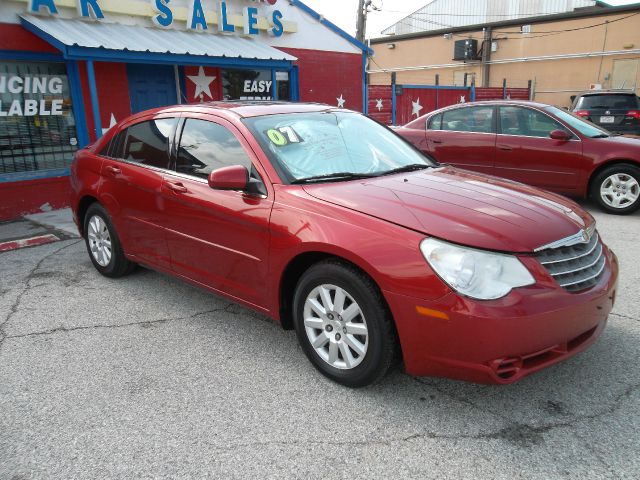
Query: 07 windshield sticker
[[283, 136]]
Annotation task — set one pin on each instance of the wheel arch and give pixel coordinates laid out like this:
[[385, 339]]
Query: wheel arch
[[296, 268], [604, 166], [83, 205]]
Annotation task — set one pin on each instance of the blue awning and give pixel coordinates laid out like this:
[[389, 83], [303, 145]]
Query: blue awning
[[81, 39]]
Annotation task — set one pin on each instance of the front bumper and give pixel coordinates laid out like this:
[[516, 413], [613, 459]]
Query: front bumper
[[502, 341]]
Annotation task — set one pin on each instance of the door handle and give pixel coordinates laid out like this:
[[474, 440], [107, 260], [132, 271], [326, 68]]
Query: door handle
[[437, 141], [113, 170], [506, 148], [177, 187]]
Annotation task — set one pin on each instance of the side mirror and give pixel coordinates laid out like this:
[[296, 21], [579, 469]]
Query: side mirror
[[560, 135], [235, 177]]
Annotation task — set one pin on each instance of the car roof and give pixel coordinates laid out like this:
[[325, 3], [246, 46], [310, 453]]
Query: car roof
[[493, 102], [248, 109], [607, 92]]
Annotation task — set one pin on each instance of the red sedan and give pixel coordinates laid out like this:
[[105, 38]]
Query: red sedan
[[331, 224], [537, 144]]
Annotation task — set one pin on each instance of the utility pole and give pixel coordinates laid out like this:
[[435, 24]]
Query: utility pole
[[486, 57], [361, 26]]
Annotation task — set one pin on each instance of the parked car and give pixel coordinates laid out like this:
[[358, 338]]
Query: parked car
[[617, 111], [537, 144], [331, 224]]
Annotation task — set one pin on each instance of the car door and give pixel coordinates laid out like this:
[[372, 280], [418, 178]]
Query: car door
[[526, 153], [133, 175], [464, 137], [219, 238]]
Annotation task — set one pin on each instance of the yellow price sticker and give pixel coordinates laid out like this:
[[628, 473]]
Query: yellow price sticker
[[277, 138]]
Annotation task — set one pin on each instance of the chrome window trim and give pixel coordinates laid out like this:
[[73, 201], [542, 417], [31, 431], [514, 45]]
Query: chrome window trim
[[463, 131], [137, 164], [573, 139]]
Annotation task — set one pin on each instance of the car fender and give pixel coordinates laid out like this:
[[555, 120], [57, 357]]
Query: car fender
[[388, 253]]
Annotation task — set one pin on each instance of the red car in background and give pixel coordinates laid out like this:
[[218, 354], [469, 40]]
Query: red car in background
[[536, 144], [331, 224]]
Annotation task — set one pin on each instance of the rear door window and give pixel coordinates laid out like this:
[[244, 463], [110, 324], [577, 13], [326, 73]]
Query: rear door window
[[147, 143], [435, 122], [469, 119]]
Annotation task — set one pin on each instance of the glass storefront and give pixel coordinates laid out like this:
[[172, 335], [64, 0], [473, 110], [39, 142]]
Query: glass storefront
[[254, 85], [37, 126]]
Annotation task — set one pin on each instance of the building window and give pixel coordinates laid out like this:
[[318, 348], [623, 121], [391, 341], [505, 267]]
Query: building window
[[254, 85], [37, 126]]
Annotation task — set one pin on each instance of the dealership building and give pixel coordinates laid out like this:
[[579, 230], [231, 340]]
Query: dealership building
[[70, 69]]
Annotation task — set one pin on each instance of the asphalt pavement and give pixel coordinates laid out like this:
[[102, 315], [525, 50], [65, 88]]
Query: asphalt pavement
[[147, 377]]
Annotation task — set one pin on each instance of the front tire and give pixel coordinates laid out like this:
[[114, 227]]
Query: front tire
[[103, 244], [617, 189], [343, 324]]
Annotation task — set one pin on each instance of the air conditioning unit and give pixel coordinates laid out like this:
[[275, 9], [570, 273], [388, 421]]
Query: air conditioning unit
[[465, 50]]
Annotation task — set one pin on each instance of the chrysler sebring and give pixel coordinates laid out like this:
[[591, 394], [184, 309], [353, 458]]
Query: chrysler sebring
[[336, 227]]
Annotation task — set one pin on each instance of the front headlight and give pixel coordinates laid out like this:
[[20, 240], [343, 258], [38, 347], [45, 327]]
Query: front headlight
[[475, 273]]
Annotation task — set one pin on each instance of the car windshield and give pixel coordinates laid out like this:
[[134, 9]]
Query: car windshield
[[586, 128], [332, 146], [607, 101]]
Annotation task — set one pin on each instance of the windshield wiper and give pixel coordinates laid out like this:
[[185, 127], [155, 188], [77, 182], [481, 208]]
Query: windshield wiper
[[337, 177], [602, 135], [407, 168]]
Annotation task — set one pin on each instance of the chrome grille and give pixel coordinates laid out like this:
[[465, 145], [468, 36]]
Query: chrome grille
[[575, 267]]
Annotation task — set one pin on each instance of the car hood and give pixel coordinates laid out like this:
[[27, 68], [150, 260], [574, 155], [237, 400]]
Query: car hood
[[462, 207]]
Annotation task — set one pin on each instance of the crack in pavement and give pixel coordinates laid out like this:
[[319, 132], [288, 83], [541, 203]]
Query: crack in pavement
[[27, 287], [525, 434], [146, 323], [628, 317], [522, 435]]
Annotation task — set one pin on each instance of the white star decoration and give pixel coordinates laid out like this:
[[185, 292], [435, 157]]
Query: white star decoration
[[463, 99], [379, 105], [202, 83], [416, 108], [341, 101], [112, 122]]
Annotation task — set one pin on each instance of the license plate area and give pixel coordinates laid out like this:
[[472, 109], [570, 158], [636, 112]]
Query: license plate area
[[607, 119]]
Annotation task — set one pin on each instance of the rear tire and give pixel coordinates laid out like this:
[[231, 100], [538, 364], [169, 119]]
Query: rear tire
[[103, 243], [617, 189], [343, 324]]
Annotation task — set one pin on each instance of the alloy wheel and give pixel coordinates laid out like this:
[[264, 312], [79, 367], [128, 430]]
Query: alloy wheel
[[99, 241], [336, 327]]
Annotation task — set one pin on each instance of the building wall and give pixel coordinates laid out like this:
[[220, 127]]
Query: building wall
[[113, 94], [326, 76], [554, 80]]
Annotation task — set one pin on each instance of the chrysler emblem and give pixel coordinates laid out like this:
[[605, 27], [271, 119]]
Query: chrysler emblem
[[608, 112]]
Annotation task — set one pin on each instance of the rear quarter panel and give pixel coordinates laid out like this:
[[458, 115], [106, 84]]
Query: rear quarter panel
[[599, 154], [85, 180]]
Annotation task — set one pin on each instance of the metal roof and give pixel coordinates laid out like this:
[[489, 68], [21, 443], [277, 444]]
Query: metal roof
[[580, 13], [114, 36], [439, 14]]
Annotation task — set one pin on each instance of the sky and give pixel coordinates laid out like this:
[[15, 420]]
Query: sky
[[343, 12]]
